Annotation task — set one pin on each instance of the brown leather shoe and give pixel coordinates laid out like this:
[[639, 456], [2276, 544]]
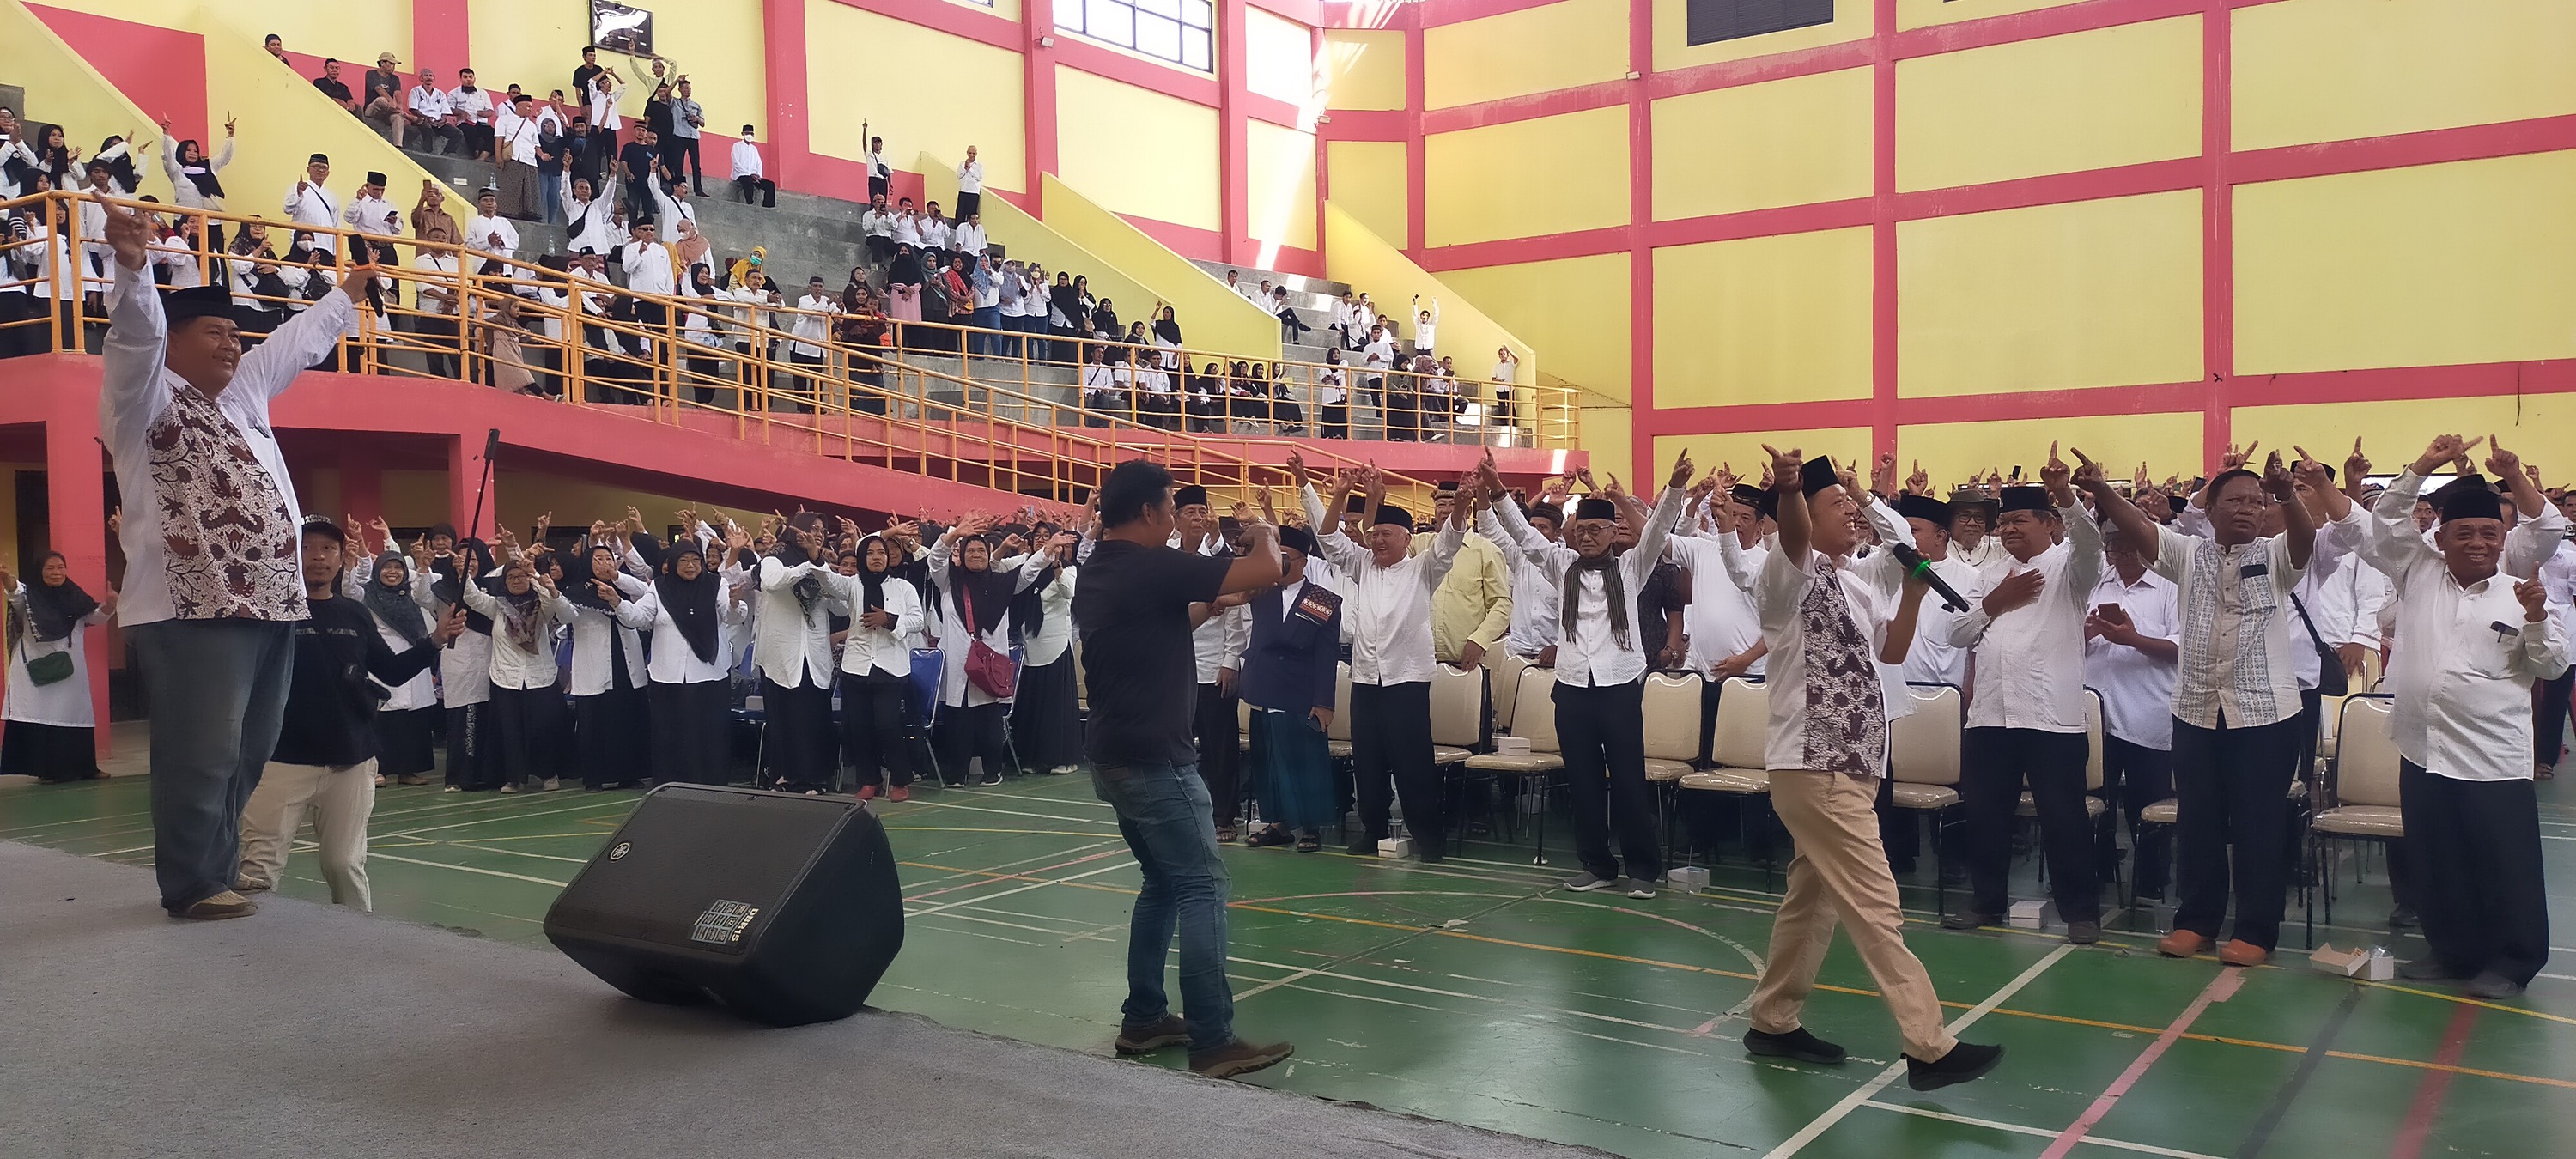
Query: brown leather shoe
[[1237, 1057], [1163, 1032], [2181, 944], [2240, 952], [223, 905]]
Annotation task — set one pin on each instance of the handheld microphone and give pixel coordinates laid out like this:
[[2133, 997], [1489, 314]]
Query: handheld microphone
[[1915, 563]]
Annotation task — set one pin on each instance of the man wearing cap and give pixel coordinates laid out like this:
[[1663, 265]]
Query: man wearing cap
[[1534, 608], [488, 230], [2236, 700], [1831, 621], [2472, 641], [2026, 710], [1472, 610], [516, 136], [1216, 647], [2132, 640], [749, 178], [380, 98], [311, 206], [375, 219], [1934, 659], [1601, 662], [212, 584], [326, 747], [1288, 676], [1389, 610]]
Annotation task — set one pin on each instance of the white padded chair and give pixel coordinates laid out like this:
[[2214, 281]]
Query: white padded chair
[[1743, 734], [2361, 802], [1542, 761], [1923, 765]]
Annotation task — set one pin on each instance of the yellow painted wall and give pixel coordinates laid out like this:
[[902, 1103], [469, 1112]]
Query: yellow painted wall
[[292, 122], [354, 32], [1490, 183], [2168, 442], [905, 63], [1368, 179], [1784, 142], [2089, 293], [1363, 69], [1574, 310], [1279, 57], [1132, 149], [2536, 426], [1609, 441], [535, 46], [1352, 254], [1211, 316], [1923, 13], [1028, 239], [1534, 50], [2087, 100], [1764, 319], [718, 45], [2473, 261], [1279, 175], [1853, 20], [1742, 450], [2326, 70], [63, 89]]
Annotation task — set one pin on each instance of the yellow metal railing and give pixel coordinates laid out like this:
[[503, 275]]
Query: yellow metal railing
[[704, 361]]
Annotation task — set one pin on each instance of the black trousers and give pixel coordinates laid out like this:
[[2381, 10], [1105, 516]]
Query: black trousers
[[2549, 718], [1220, 755], [803, 390], [471, 763], [802, 752], [689, 725], [1900, 831], [2476, 850], [28, 337], [968, 205], [1391, 740], [768, 191], [528, 731], [963, 734], [1996, 763], [612, 733], [2232, 788], [680, 154], [1602, 733], [1335, 421], [872, 728], [2134, 777]]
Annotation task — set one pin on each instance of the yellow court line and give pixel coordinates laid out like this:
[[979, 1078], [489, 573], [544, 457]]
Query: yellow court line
[[2471, 1002]]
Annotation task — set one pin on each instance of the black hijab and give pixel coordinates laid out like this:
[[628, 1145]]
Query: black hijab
[[691, 604], [474, 557], [392, 603], [809, 590], [1167, 330], [872, 583], [580, 590], [53, 609], [200, 173], [987, 592], [906, 270]]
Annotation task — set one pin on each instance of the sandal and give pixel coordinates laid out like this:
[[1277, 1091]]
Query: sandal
[[1271, 836], [1309, 843]]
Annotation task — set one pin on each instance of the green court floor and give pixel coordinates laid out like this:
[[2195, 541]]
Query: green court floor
[[1475, 991]]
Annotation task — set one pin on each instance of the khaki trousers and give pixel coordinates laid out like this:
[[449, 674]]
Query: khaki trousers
[[1840, 874], [340, 800]]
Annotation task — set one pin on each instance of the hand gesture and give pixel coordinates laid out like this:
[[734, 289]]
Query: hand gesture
[[107, 607], [1682, 470], [1268, 513], [230, 124], [2276, 479], [2234, 458], [116, 521], [545, 580], [1583, 475], [2055, 474], [1614, 492], [1882, 478], [128, 231], [1722, 482], [2534, 599], [2356, 466], [2013, 591], [450, 626], [2310, 473], [2089, 475], [2443, 449], [1788, 467], [903, 529], [420, 553], [1920, 482], [2501, 463], [608, 593]]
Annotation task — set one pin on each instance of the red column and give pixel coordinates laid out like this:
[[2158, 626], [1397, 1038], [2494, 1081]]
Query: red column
[[465, 466], [1641, 255], [1409, 18], [442, 36], [76, 502], [783, 51], [1234, 181], [2218, 238], [1037, 90], [1883, 305]]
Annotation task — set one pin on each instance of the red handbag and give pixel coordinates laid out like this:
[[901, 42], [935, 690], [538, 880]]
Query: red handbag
[[987, 668]]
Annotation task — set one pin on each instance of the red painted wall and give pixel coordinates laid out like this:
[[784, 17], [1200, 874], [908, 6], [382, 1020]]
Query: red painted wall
[[162, 70]]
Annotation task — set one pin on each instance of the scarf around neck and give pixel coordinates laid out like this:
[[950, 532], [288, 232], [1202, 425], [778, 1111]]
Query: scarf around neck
[[1613, 589], [691, 604]]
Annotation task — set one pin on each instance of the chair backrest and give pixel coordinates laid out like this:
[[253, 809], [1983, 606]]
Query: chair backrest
[[2329, 718], [1457, 707], [1672, 715], [1538, 695], [1923, 748], [1505, 687], [1243, 715], [1341, 729], [2092, 741], [1743, 724], [2365, 753]]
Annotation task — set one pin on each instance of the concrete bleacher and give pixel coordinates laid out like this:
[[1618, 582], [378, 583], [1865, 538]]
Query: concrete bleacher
[[1312, 298]]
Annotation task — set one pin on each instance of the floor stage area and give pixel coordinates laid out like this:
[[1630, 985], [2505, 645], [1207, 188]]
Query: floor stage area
[[1471, 992]]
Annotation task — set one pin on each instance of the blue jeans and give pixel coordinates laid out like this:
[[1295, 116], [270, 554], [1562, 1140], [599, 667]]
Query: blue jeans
[[989, 318], [550, 194], [1163, 814], [217, 693]]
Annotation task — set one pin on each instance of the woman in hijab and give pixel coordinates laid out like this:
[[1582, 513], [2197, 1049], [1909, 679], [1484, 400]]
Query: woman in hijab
[[405, 717], [524, 606], [1046, 723], [876, 668], [52, 729], [973, 601], [697, 614], [701, 332], [192, 174], [1064, 305], [792, 646], [903, 294], [59, 161], [465, 668], [259, 284], [610, 726]]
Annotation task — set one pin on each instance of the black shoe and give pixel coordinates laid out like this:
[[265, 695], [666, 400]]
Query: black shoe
[[2493, 987], [1271, 836], [1969, 920], [1161, 1033], [2083, 933], [1797, 1044], [2426, 970], [990, 780], [1965, 1061], [1901, 866]]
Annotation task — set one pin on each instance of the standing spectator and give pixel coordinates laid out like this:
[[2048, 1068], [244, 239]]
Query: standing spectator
[[553, 149], [986, 286], [516, 139], [880, 175], [429, 120], [635, 166], [52, 734], [473, 111], [810, 329], [375, 219], [1332, 399], [605, 88], [681, 148], [212, 550], [380, 103], [436, 301], [968, 237], [749, 178], [970, 186], [329, 83], [586, 153], [310, 204], [657, 117], [590, 67]]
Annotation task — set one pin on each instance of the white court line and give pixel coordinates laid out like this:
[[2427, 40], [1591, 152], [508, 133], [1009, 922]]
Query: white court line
[[2018, 1129], [1014, 813], [1301, 973], [1824, 1122], [943, 907], [500, 817], [515, 852], [471, 869]]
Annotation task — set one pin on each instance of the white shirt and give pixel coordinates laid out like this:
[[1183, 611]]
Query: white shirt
[[1388, 608], [672, 660], [592, 672], [441, 263], [513, 666], [746, 159], [313, 207], [1535, 621], [430, 102], [1723, 619], [934, 232], [373, 216], [479, 230], [1218, 645], [472, 106], [1592, 656], [2137, 689], [2465, 658], [970, 177], [954, 689], [2030, 661], [811, 330], [650, 268], [65, 703], [1934, 659], [792, 643], [136, 391], [516, 138], [1055, 634], [883, 650], [968, 237], [907, 229], [1383, 350]]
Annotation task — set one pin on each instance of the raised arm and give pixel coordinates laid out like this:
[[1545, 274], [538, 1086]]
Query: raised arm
[[2133, 524], [1787, 478]]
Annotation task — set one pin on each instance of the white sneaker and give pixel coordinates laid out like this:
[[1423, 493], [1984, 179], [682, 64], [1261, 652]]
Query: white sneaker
[[553, 783], [1640, 889], [510, 788], [1584, 882]]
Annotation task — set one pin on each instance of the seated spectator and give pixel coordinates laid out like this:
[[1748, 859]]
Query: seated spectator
[[749, 177], [276, 48], [428, 120], [473, 109], [329, 83], [380, 101], [1292, 328]]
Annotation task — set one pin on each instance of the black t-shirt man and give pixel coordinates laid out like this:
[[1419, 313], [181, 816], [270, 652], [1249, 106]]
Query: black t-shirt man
[[1133, 610], [333, 89]]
